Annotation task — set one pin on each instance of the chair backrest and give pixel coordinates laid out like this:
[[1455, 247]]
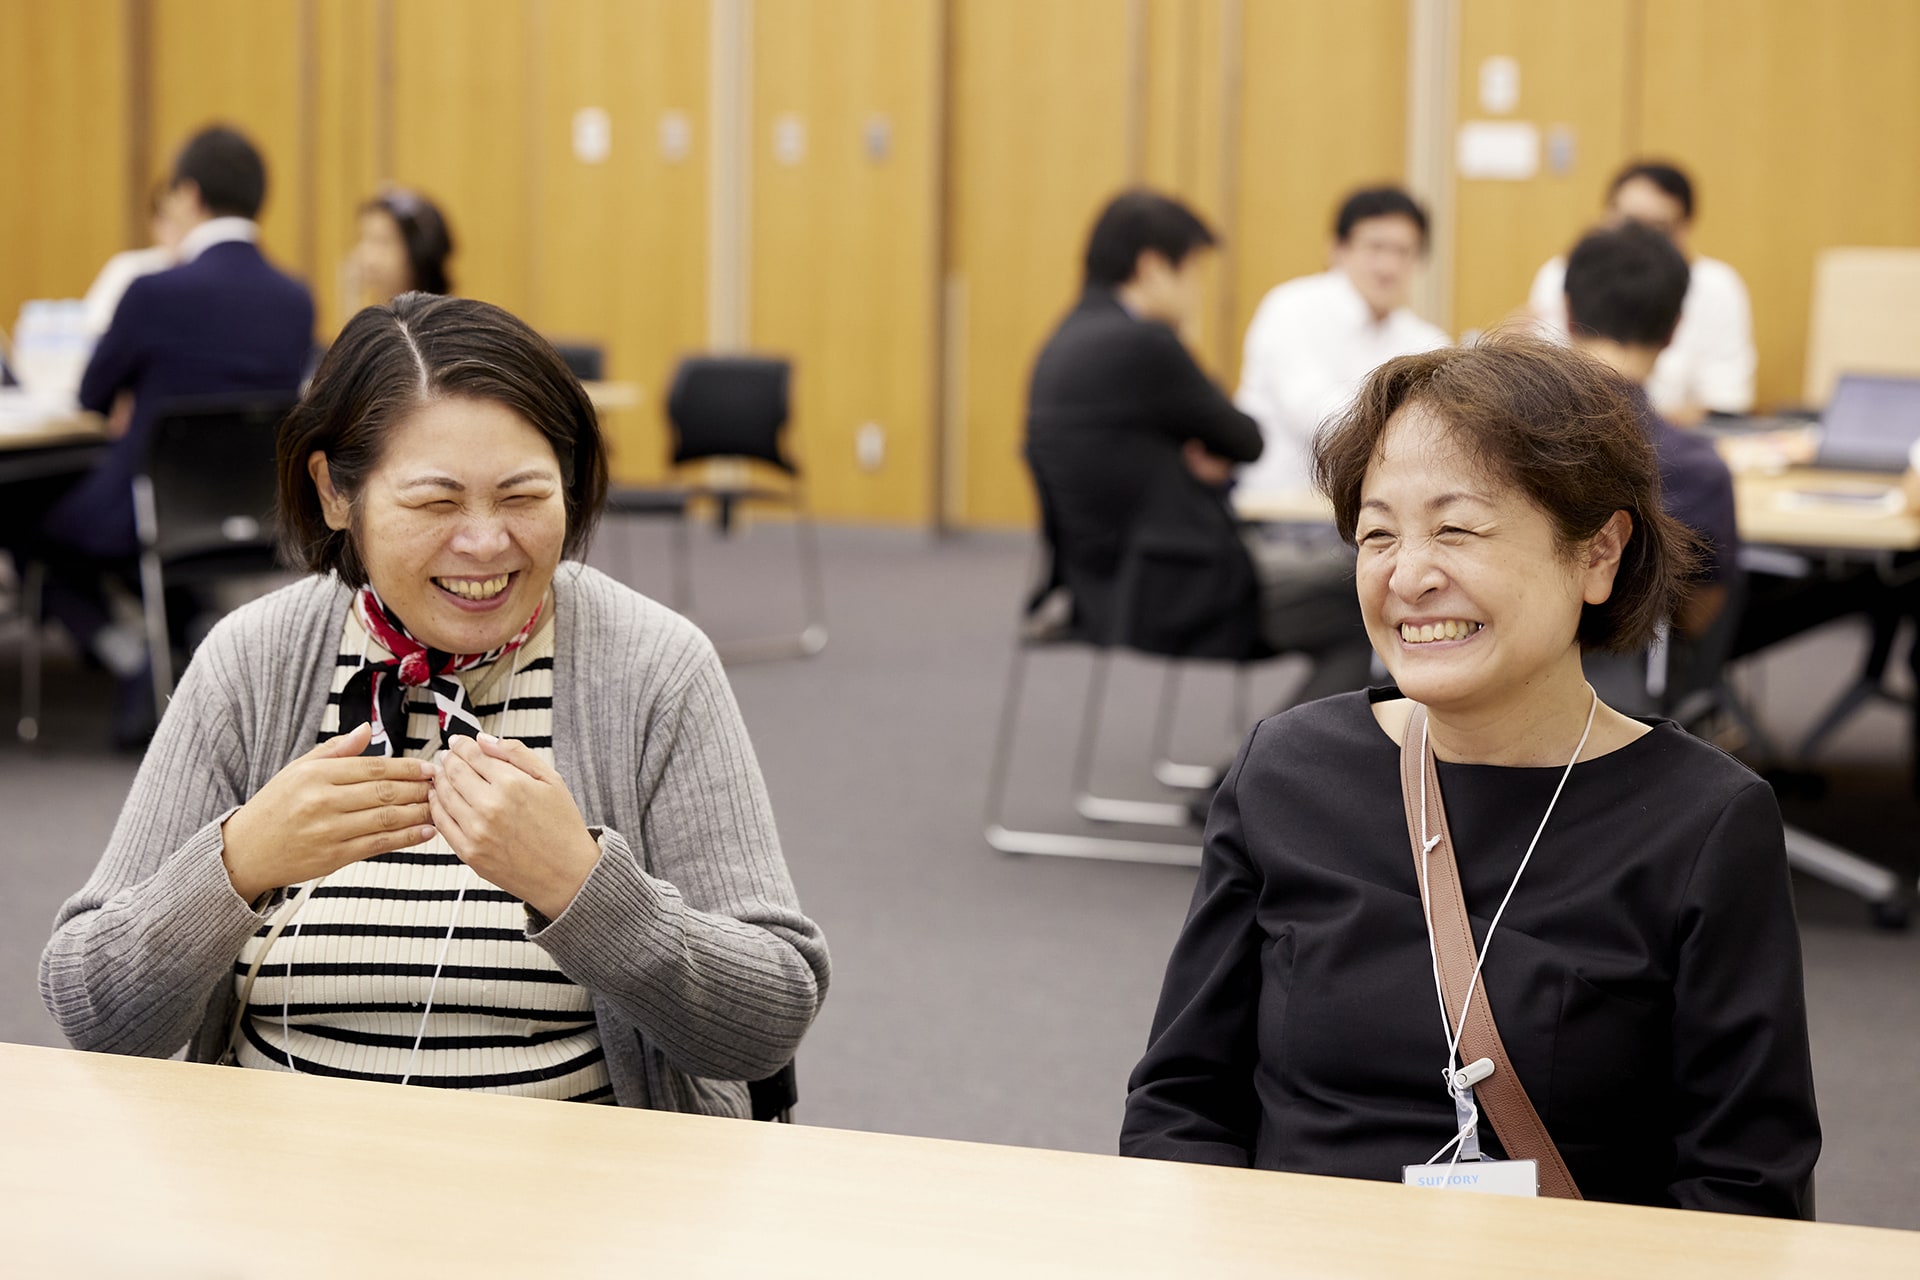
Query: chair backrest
[[208, 482], [1682, 676], [586, 361], [1865, 317], [730, 407]]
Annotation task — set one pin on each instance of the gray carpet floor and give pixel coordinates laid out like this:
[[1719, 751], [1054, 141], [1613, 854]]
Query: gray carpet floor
[[1000, 999]]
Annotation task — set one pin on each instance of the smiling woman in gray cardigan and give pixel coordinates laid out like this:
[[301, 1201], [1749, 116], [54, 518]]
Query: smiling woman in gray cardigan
[[606, 799]]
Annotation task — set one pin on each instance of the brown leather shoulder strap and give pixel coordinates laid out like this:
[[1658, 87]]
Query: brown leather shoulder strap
[[1501, 1096]]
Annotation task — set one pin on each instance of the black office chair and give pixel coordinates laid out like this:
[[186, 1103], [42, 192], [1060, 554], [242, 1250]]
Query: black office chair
[[203, 508], [1051, 618], [1688, 683], [733, 409], [586, 361], [774, 1097]]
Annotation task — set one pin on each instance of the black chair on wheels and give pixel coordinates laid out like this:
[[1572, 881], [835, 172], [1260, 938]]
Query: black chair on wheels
[[203, 504], [1130, 627], [733, 409], [1687, 681]]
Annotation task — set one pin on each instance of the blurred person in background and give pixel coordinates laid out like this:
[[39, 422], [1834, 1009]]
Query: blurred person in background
[[1709, 365], [1625, 286], [1312, 340], [123, 268], [223, 321], [1134, 449], [402, 247]]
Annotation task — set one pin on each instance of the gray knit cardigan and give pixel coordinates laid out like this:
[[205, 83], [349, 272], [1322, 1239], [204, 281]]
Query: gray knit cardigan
[[703, 971]]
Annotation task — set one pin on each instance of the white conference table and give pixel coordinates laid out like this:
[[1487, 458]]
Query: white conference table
[[119, 1167]]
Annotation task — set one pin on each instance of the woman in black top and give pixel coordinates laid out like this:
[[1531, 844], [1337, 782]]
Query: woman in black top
[[1645, 974]]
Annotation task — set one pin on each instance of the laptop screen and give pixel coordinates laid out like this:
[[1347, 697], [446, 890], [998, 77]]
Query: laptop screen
[[1872, 421]]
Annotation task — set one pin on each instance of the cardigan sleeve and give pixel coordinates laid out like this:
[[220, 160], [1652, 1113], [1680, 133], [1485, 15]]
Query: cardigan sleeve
[[1746, 1132], [690, 926], [1192, 1096], [135, 952]]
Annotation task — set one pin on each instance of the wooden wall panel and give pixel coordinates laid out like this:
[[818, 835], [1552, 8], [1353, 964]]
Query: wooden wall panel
[[344, 140], [463, 133], [844, 233], [1323, 110], [236, 62], [619, 254], [64, 75], [1190, 75], [1039, 111], [1576, 69], [1800, 124]]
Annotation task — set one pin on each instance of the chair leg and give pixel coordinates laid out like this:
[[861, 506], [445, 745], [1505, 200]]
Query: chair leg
[[1167, 771], [1096, 808], [33, 589], [1866, 687], [813, 590], [1872, 883], [812, 637], [1055, 844], [682, 557], [153, 600]]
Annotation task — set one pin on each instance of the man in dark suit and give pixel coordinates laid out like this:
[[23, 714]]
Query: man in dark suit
[[224, 320], [1132, 449]]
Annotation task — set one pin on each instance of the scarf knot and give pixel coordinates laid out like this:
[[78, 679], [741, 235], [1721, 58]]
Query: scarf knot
[[376, 693]]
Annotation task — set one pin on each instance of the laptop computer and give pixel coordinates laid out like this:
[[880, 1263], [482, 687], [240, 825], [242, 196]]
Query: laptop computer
[[1870, 424]]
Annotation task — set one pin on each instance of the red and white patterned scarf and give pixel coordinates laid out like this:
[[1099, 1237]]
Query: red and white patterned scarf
[[378, 691]]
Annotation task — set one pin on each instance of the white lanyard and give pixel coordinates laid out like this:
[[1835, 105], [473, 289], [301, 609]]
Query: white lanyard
[[1461, 1080], [286, 989]]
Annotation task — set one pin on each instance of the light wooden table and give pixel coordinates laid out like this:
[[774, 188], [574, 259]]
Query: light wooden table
[[25, 426], [614, 395], [117, 1167]]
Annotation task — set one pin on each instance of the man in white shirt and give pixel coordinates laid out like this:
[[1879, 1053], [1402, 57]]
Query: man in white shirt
[[123, 268], [1313, 340], [1709, 365]]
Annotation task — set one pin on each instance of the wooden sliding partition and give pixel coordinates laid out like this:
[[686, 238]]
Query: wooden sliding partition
[[1801, 125], [896, 193], [846, 141], [66, 181], [1040, 103], [618, 246], [1575, 64], [1322, 111]]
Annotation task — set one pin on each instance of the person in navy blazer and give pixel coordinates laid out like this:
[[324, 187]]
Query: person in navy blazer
[[222, 321]]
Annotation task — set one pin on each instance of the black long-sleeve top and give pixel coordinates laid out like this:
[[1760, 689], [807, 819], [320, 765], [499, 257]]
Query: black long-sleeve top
[[1113, 400], [1646, 976]]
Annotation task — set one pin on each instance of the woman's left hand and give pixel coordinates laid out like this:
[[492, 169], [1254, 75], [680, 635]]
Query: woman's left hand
[[508, 815]]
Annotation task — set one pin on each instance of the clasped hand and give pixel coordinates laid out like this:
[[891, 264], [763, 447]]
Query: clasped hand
[[508, 815], [503, 810]]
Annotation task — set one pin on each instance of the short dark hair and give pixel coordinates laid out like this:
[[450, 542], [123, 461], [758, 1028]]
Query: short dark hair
[[1378, 202], [231, 176], [388, 362], [424, 232], [1132, 223], [1561, 428], [1626, 283], [1669, 178]]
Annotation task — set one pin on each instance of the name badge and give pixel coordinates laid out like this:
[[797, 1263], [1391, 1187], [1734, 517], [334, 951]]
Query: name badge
[[1489, 1177]]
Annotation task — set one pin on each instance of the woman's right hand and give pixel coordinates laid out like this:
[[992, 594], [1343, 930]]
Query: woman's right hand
[[330, 807]]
